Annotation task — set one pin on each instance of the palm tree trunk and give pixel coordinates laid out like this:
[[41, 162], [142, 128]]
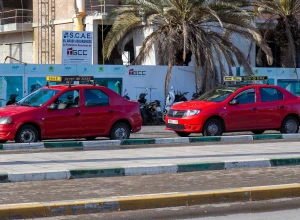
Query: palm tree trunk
[[286, 58]]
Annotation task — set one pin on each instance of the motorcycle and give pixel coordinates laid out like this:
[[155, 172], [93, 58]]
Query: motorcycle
[[197, 94], [125, 96], [12, 98], [172, 99], [148, 110]]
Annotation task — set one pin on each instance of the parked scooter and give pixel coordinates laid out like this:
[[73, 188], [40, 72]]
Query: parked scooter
[[172, 99], [125, 96], [148, 110], [13, 98], [197, 94]]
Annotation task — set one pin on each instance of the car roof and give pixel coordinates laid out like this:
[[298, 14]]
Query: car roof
[[248, 85], [66, 86]]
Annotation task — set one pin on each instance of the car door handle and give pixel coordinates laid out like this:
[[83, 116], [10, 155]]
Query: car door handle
[[77, 113], [254, 109], [110, 111], [281, 107]]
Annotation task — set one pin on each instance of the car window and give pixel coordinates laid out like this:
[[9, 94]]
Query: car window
[[246, 97], [68, 100], [38, 97], [95, 97], [218, 94], [270, 94]]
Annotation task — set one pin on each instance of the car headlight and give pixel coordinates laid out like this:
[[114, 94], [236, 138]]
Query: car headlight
[[191, 112], [5, 120]]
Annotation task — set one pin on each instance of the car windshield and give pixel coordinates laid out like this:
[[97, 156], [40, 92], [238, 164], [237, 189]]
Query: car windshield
[[218, 95], [38, 97]]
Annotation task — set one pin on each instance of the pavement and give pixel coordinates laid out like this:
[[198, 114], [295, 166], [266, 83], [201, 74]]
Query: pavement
[[61, 197], [145, 161], [51, 183]]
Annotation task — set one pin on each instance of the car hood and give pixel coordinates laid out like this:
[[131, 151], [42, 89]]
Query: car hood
[[192, 105], [14, 109]]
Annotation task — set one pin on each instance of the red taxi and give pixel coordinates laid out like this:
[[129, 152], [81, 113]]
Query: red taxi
[[252, 107], [69, 111]]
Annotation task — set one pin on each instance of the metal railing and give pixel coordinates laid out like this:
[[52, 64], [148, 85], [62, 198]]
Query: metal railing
[[104, 8], [16, 16]]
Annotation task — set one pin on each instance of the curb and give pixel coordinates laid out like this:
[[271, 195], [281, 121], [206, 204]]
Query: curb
[[145, 170], [150, 201], [116, 144]]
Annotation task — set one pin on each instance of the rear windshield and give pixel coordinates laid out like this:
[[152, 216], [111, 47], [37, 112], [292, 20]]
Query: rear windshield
[[218, 94]]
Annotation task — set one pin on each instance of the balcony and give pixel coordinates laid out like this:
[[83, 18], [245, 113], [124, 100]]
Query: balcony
[[17, 20], [93, 8]]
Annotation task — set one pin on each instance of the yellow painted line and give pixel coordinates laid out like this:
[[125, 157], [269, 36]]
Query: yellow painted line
[[30, 210]]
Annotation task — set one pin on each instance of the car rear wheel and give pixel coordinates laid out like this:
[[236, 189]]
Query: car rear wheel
[[290, 125], [27, 134], [213, 127], [120, 131], [90, 138], [182, 134], [258, 131]]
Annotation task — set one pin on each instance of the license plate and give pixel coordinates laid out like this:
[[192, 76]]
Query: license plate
[[158, 108], [170, 121]]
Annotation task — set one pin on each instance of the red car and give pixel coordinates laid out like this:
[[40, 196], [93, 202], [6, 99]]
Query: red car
[[229, 108], [69, 111]]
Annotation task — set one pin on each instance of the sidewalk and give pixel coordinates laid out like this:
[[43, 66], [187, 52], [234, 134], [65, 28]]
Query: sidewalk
[[145, 161]]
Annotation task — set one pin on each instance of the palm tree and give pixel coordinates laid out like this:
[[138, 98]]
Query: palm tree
[[187, 26], [286, 31]]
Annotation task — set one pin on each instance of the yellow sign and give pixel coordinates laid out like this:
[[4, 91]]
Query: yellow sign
[[53, 78], [232, 78]]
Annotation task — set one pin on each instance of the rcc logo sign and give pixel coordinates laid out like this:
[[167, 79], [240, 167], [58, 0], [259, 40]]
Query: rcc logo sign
[[133, 72]]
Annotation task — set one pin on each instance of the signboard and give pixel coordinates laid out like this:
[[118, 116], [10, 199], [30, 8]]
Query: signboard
[[77, 47], [245, 78], [69, 78]]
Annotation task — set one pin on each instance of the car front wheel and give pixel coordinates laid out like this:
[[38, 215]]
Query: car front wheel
[[213, 127], [27, 134], [120, 131], [290, 125]]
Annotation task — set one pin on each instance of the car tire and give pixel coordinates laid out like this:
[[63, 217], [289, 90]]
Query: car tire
[[90, 138], [213, 127], [182, 134], [120, 131], [27, 134], [290, 125], [258, 131]]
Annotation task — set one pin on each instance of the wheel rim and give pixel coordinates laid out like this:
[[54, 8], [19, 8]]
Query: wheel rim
[[212, 129], [291, 126], [27, 136], [121, 133]]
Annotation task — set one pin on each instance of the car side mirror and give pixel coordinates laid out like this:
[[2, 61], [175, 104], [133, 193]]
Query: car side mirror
[[234, 102], [53, 106]]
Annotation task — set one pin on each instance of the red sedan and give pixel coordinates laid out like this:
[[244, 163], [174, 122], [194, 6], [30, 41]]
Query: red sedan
[[229, 108], [70, 111]]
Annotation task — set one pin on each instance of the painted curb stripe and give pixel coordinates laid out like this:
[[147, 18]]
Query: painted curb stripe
[[48, 175], [162, 200], [3, 178], [93, 173], [1, 146], [20, 146], [247, 164], [205, 139], [200, 167], [137, 141], [285, 162], [267, 136], [172, 140], [134, 171], [70, 144]]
